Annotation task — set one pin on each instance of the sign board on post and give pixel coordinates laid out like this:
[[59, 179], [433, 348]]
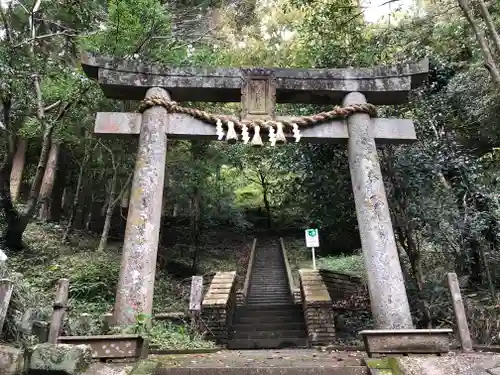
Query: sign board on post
[[312, 241], [196, 295], [312, 238]]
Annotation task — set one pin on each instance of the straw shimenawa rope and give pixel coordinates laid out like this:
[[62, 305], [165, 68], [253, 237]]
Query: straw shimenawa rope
[[336, 114]]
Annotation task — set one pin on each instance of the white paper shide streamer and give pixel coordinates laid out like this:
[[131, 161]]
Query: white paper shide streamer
[[272, 136], [296, 132], [244, 134], [219, 130]]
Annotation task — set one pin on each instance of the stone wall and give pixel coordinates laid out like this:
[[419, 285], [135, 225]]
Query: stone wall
[[218, 306], [317, 306], [297, 296], [340, 285], [240, 298]]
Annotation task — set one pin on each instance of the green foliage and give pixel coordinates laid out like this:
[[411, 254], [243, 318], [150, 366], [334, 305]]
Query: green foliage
[[441, 190], [352, 264], [170, 336]]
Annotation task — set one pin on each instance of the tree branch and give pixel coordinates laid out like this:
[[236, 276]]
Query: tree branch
[[489, 24], [6, 26], [489, 62], [124, 189], [40, 111], [52, 106], [39, 37]]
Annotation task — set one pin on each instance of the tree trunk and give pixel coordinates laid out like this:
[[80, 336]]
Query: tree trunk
[[109, 213], [16, 174], [488, 20], [76, 197], [40, 172], [124, 201], [475, 271], [12, 236], [268, 207], [220, 188], [66, 199], [49, 178], [489, 62], [17, 223], [195, 226], [90, 213], [56, 205], [405, 233]]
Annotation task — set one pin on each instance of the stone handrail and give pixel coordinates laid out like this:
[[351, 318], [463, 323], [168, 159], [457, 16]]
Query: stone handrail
[[341, 285], [288, 270], [218, 306], [317, 306], [248, 275]]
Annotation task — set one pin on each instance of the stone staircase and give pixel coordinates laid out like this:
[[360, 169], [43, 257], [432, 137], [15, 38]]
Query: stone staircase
[[270, 319]]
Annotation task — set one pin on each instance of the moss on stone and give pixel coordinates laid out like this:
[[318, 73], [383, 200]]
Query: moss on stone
[[145, 367], [69, 359], [378, 363], [394, 364]]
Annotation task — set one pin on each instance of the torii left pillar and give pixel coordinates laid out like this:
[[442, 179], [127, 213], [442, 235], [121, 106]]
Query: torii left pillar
[[134, 294]]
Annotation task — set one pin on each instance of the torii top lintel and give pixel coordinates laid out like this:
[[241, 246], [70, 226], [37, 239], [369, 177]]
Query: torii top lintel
[[129, 80]]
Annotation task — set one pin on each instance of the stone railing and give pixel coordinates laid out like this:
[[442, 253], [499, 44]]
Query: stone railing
[[241, 295], [340, 285], [218, 306], [294, 290], [317, 306]]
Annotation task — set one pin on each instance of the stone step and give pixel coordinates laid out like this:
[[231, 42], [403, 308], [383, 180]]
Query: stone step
[[267, 319], [266, 282], [262, 279], [272, 343], [290, 308], [268, 301], [339, 370], [269, 285], [267, 292], [258, 326], [261, 313], [256, 335], [267, 295]]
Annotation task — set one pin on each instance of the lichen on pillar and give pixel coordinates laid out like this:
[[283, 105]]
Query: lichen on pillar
[[389, 301], [134, 293]]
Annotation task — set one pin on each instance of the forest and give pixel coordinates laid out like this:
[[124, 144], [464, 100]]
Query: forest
[[64, 191]]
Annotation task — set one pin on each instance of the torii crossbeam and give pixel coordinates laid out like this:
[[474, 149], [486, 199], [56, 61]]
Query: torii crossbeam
[[259, 89]]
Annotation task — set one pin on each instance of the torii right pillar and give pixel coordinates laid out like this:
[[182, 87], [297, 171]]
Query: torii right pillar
[[389, 301]]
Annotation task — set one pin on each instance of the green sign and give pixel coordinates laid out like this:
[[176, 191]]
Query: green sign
[[312, 238]]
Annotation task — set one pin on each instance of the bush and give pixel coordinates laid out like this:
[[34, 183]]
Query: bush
[[352, 264]]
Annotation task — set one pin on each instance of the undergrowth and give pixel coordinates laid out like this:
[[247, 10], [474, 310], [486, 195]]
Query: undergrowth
[[93, 278]]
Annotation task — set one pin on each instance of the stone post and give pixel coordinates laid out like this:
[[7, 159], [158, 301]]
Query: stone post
[[6, 287], [389, 301], [134, 294]]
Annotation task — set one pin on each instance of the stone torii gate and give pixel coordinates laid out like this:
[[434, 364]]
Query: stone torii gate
[[258, 89]]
